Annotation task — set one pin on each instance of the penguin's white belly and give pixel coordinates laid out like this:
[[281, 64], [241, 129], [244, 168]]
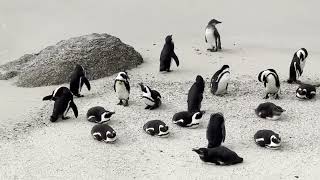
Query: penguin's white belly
[[67, 109], [302, 63], [224, 80], [121, 90], [148, 101], [210, 38], [271, 85]]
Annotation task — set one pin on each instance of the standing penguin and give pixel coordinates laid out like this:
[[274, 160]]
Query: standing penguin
[[62, 106], [166, 54], [78, 78], [219, 155], [187, 119], [58, 93], [103, 132], [156, 127], [99, 114], [271, 82], [122, 88], [195, 95], [216, 131], [151, 98], [297, 65], [220, 81], [212, 36], [269, 110], [268, 139]]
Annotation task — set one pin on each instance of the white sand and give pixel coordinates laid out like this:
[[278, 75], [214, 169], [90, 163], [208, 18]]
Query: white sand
[[255, 36]]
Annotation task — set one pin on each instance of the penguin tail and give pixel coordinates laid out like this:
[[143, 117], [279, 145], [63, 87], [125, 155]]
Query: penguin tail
[[46, 98], [240, 160]]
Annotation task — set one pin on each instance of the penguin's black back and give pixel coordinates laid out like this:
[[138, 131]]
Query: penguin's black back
[[154, 124], [96, 111], [215, 131], [77, 73], [60, 105], [102, 129], [195, 95], [166, 54], [225, 155]]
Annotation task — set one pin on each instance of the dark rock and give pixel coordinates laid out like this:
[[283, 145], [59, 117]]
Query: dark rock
[[100, 54]]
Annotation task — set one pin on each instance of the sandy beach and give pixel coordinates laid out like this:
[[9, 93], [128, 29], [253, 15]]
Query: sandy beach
[[255, 36]]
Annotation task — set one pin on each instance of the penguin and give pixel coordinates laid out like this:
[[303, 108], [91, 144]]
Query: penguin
[[306, 91], [268, 139], [156, 127], [167, 54], [195, 95], [220, 81], [187, 119], [99, 114], [103, 132], [57, 93], [297, 65], [216, 131], [62, 106], [151, 98], [212, 36], [271, 82], [78, 78], [269, 110], [122, 88], [219, 155]]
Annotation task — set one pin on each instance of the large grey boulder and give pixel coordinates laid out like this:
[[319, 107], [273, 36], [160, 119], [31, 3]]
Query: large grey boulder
[[100, 54]]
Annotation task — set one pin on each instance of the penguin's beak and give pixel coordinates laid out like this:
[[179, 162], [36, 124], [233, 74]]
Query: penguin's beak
[[112, 112], [196, 150]]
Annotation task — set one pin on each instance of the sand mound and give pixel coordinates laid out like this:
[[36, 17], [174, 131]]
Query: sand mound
[[100, 54]]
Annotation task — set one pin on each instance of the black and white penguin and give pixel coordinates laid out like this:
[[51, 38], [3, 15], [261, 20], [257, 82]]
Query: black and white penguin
[[78, 78], [167, 54], [156, 127], [187, 119], [122, 88], [268, 139], [306, 91], [195, 95], [99, 114], [58, 93], [220, 81], [297, 65], [218, 155], [216, 131], [62, 106], [151, 98], [212, 36], [103, 132], [269, 110], [271, 82]]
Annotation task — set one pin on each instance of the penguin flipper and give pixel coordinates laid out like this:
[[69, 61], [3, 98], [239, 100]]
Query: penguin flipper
[[74, 108], [46, 98], [127, 86], [175, 58], [223, 132], [86, 82], [205, 38]]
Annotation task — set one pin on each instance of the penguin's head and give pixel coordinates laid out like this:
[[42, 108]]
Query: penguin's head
[[123, 76], [218, 118], [225, 68], [168, 38], [214, 22], [275, 142], [202, 152], [301, 93], [110, 136], [200, 81], [105, 117], [145, 90], [163, 131], [263, 75], [79, 69]]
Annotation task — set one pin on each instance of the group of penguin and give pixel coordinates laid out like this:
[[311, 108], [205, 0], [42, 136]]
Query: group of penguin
[[216, 133]]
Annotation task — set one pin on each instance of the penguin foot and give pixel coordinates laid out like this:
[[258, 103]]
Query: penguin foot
[[79, 95], [126, 103], [211, 50], [120, 103], [168, 70], [277, 96], [65, 118]]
